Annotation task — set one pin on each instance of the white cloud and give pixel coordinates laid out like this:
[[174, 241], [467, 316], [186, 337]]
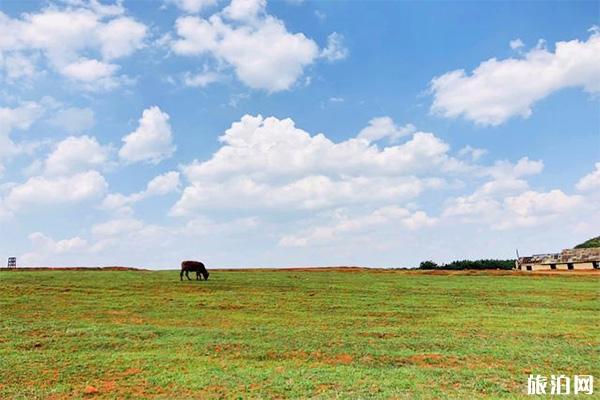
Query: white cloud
[[18, 66], [244, 10], [194, 6], [116, 227], [41, 191], [57, 247], [342, 225], [532, 208], [500, 89], [384, 127], [46, 251], [268, 162], [516, 44], [201, 79], [75, 154], [89, 70], [267, 147], [66, 37], [101, 9], [74, 120], [20, 117], [259, 48], [120, 37], [485, 204], [507, 202], [590, 181], [472, 152], [163, 184], [335, 49], [158, 186], [152, 141], [505, 169]]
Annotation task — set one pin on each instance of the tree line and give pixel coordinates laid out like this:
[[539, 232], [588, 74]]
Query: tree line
[[470, 264]]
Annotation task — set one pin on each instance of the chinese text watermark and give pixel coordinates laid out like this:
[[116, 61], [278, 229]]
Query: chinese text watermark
[[560, 384]]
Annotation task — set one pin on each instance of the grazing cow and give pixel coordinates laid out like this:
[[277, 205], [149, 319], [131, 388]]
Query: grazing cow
[[193, 266]]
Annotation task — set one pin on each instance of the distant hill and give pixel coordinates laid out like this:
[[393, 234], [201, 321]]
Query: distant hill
[[593, 242]]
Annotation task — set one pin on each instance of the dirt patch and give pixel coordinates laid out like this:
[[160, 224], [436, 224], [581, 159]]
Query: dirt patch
[[344, 359], [109, 386], [111, 268], [90, 390], [131, 371]]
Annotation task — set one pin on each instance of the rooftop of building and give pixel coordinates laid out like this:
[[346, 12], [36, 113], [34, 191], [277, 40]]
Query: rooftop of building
[[565, 256]]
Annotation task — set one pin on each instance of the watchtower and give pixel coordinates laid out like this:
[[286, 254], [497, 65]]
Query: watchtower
[[12, 262]]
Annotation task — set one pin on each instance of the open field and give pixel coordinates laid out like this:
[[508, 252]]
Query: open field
[[293, 334]]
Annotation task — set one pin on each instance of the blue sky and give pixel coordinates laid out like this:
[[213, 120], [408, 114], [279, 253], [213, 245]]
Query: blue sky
[[254, 133]]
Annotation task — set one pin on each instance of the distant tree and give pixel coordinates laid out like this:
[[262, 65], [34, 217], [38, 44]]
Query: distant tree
[[593, 242], [470, 264], [428, 265]]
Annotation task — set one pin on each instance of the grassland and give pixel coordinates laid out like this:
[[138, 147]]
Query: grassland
[[292, 334]]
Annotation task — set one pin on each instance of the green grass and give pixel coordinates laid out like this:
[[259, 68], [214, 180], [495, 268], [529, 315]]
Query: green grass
[[292, 334]]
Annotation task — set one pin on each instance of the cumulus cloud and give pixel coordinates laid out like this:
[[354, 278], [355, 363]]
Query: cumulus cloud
[[152, 141], [17, 66], [384, 127], [20, 117], [116, 227], [472, 152], [65, 38], [46, 250], [193, 6], [56, 246], [506, 170], [343, 224], [590, 181], [201, 79], [500, 89], [506, 201], [256, 45], [516, 44], [335, 49], [530, 208], [245, 10], [268, 162], [75, 154], [89, 70], [99, 8], [485, 204], [158, 186], [42, 191]]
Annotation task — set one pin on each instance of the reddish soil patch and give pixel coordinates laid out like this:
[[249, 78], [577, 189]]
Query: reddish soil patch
[[131, 371], [344, 359], [109, 386], [111, 268], [90, 390]]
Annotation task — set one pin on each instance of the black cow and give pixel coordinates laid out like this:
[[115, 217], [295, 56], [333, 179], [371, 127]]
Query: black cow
[[193, 266]]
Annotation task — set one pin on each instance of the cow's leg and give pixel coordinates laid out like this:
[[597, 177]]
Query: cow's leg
[[197, 276], [181, 275], [187, 275]]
